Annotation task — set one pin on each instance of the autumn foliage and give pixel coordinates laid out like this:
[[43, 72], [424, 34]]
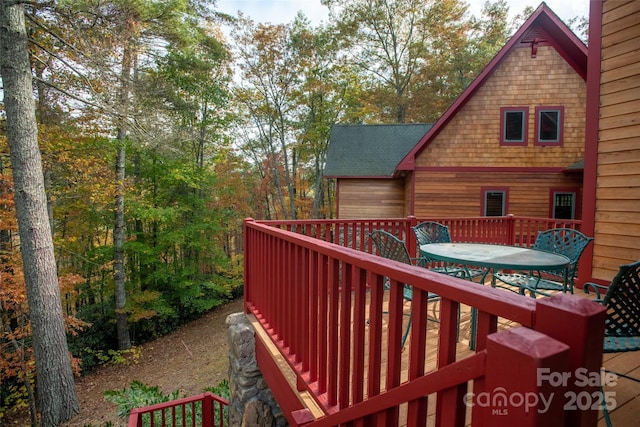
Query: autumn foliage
[[217, 126]]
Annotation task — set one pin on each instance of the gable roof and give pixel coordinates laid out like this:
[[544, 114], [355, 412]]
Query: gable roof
[[370, 150], [542, 25]]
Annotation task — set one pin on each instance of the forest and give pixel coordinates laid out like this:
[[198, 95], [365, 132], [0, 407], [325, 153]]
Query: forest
[[162, 124]]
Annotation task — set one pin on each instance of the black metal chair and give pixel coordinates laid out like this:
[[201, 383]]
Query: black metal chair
[[622, 325], [564, 241], [433, 232], [391, 247]]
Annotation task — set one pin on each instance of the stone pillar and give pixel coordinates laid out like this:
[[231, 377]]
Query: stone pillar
[[251, 402]]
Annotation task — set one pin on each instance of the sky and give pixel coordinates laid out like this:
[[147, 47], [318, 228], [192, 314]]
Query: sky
[[283, 11]]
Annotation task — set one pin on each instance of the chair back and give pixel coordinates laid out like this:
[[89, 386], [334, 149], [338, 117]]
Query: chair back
[[389, 246], [431, 232], [623, 303], [564, 241]]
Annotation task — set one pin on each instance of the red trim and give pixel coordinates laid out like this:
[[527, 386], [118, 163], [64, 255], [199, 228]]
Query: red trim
[[559, 34], [483, 197], [285, 396], [578, 64], [525, 130], [488, 169], [591, 137], [360, 177], [560, 141]]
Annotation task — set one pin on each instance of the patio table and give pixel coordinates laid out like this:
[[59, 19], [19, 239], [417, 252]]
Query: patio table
[[494, 257], [491, 258]]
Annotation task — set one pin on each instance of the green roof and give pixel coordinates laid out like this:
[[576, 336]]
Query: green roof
[[370, 150]]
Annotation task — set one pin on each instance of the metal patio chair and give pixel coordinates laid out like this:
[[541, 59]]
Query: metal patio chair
[[564, 241], [433, 232], [622, 325], [390, 247]]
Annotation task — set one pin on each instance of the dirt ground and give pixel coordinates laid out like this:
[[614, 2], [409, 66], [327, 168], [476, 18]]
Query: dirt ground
[[190, 359]]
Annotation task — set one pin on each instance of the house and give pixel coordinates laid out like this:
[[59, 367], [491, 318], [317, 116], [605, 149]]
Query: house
[[612, 157], [363, 159], [314, 359], [512, 143]]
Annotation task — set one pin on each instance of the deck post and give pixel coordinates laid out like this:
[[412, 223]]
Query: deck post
[[511, 231], [579, 323], [513, 393], [208, 409], [412, 245], [246, 242]]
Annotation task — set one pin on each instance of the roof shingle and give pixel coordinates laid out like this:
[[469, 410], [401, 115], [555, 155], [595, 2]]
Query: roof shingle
[[370, 150]]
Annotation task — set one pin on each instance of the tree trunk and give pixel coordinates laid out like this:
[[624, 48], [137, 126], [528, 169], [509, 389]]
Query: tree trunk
[[122, 324], [56, 391]]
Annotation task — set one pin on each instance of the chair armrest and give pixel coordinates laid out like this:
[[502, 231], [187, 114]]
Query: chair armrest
[[598, 289]]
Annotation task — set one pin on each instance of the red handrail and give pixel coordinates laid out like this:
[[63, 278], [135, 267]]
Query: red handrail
[[207, 407], [322, 306], [506, 230]]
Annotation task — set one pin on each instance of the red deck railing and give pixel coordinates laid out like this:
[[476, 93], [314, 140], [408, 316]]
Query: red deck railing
[[205, 409], [502, 230], [322, 306]]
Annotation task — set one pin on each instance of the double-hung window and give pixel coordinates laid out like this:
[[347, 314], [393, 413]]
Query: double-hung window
[[549, 125], [514, 125]]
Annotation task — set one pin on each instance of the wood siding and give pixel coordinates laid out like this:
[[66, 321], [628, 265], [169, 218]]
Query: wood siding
[[371, 198], [472, 138], [617, 218], [468, 149], [408, 191], [459, 193]]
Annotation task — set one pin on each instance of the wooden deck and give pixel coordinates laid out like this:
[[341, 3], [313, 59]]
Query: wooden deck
[[626, 392]]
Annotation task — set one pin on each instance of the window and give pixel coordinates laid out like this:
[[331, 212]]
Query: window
[[549, 125], [514, 125], [494, 202], [563, 204]]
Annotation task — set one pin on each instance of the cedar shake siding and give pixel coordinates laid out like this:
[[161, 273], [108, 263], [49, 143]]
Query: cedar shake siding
[[472, 137], [467, 155], [617, 192]]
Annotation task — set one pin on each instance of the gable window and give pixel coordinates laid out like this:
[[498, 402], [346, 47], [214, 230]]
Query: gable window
[[563, 204], [494, 202], [514, 125], [549, 125]]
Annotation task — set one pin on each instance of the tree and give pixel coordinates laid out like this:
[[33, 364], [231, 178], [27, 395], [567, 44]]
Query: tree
[[392, 40], [416, 56], [328, 94], [458, 52], [295, 85], [270, 75], [117, 42], [56, 389]]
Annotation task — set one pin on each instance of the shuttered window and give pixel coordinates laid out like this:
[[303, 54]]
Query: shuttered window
[[494, 203]]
